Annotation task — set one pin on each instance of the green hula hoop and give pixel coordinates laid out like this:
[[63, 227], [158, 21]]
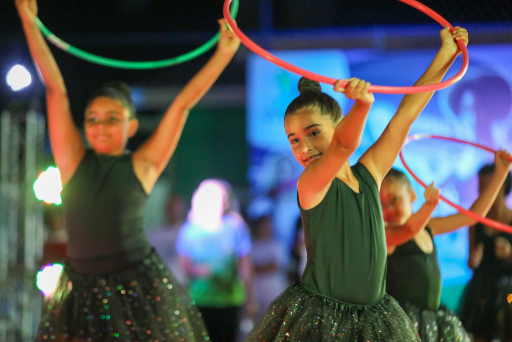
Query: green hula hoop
[[115, 63]]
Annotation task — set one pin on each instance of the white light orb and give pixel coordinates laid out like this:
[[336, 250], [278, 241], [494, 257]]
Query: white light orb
[[18, 78]]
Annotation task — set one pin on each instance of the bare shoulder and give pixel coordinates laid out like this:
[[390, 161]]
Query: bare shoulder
[[308, 200]]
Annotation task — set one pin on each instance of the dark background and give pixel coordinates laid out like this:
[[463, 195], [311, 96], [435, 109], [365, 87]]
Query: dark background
[[213, 144]]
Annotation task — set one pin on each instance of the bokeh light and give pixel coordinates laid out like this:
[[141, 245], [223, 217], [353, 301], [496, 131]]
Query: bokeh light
[[208, 204], [48, 277], [48, 186], [18, 77]]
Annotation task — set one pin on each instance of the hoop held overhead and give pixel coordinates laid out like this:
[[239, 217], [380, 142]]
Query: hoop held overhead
[[115, 63], [374, 88], [484, 220]]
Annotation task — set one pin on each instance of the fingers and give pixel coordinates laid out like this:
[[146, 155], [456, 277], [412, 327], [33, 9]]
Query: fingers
[[432, 194], [356, 88], [504, 155], [366, 87], [460, 33], [225, 30], [224, 25], [338, 85]]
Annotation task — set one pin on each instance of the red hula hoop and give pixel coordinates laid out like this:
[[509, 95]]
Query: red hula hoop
[[374, 88], [484, 220]]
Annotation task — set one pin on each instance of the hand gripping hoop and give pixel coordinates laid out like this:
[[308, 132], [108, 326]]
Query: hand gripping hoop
[[486, 221]]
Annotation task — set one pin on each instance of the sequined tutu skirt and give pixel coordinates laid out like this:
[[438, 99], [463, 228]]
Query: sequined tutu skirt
[[142, 303], [441, 325], [299, 314], [485, 310]]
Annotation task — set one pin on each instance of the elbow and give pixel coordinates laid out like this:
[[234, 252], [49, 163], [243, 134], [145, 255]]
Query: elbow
[[348, 146], [412, 229]]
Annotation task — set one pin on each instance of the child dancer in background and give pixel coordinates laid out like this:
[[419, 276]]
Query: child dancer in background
[[114, 286], [341, 296], [414, 278], [214, 246], [486, 311]]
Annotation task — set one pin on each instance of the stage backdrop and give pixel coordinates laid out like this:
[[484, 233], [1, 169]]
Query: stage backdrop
[[478, 108]]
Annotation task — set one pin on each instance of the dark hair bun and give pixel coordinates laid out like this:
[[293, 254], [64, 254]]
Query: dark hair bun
[[306, 85], [121, 87]]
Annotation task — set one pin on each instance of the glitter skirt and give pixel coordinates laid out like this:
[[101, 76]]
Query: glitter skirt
[[441, 325], [486, 312], [299, 314], [140, 304]]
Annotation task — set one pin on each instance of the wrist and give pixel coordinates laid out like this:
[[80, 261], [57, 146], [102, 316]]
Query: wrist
[[502, 172], [28, 22], [224, 54], [364, 103], [430, 206], [448, 52]]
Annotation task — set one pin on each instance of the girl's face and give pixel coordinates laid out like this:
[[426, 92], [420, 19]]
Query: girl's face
[[309, 134], [396, 199], [108, 126]]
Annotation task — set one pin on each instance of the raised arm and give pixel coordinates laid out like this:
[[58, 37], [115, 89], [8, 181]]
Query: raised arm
[[379, 158], [152, 157], [67, 146], [416, 223], [316, 178], [483, 203]]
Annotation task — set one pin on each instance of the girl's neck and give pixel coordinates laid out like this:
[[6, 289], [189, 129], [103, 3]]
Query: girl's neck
[[112, 153], [345, 173]]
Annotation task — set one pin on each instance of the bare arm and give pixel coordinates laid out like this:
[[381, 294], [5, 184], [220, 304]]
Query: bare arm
[[316, 178], [67, 146], [379, 158], [482, 205], [475, 250], [152, 157], [417, 222]]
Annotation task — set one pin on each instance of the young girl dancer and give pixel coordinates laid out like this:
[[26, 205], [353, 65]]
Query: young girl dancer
[[486, 311], [341, 296], [114, 287], [414, 278]]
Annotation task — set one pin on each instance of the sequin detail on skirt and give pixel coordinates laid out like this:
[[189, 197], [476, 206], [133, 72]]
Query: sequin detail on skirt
[[301, 315], [143, 303], [486, 312], [441, 325]]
